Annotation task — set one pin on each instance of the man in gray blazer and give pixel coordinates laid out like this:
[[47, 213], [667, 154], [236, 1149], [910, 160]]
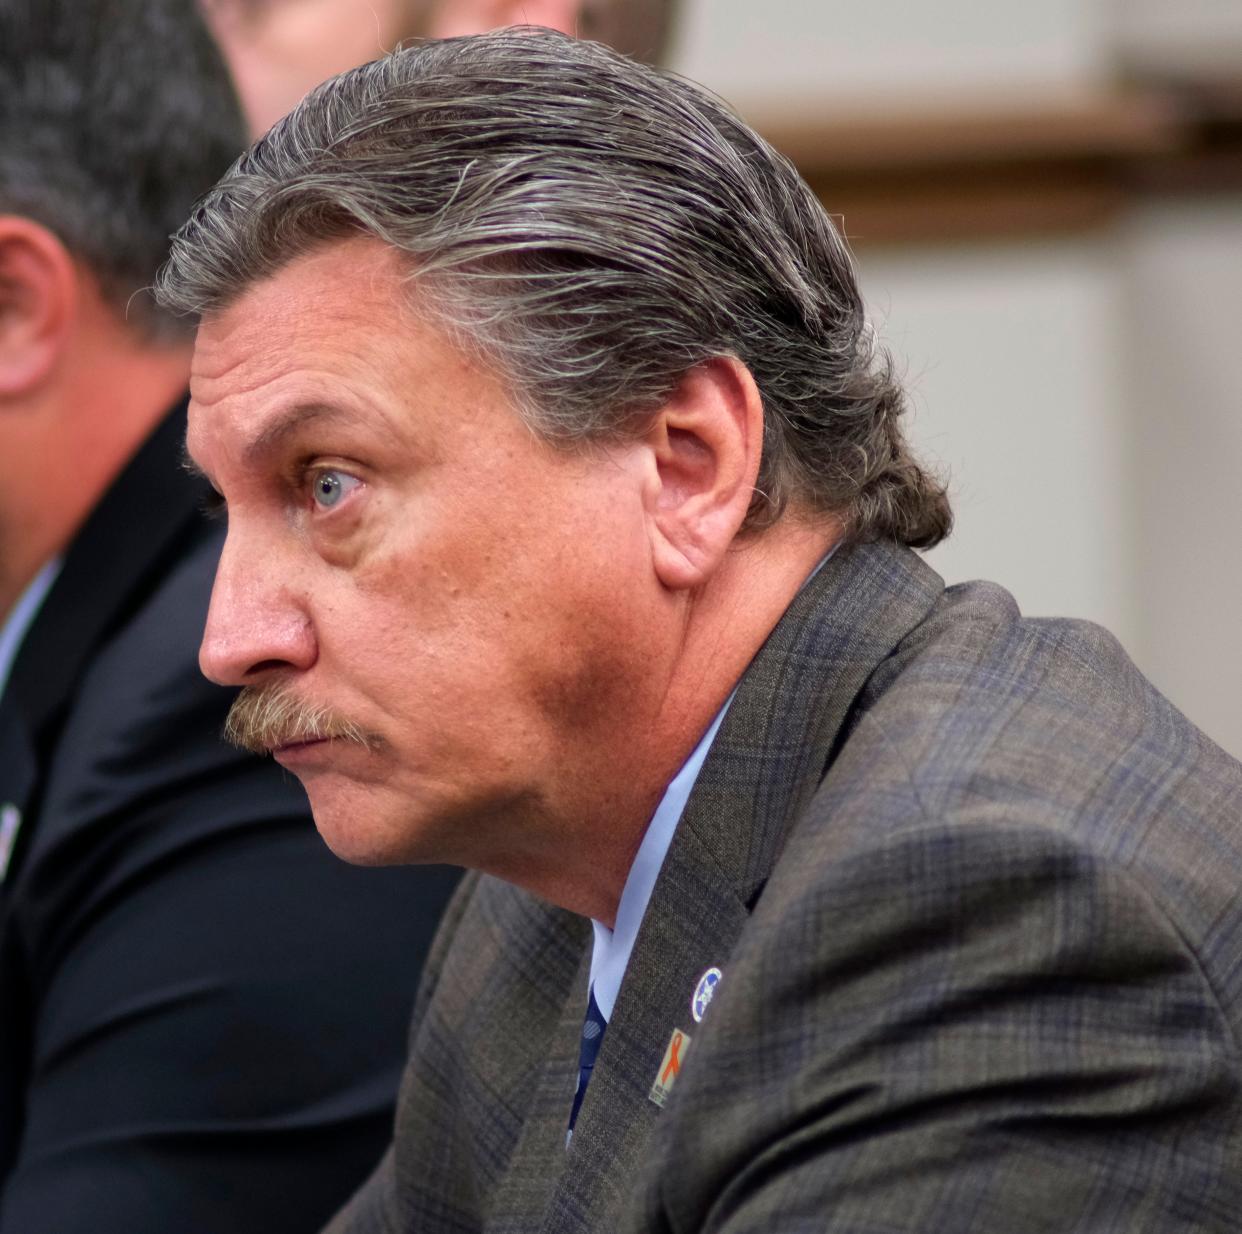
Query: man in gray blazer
[[570, 529]]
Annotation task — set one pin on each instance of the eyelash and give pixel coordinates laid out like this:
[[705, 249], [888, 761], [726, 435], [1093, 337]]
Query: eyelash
[[212, 505]]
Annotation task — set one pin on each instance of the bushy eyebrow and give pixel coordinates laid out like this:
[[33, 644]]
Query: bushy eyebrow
[[281, 427], [286, 423]]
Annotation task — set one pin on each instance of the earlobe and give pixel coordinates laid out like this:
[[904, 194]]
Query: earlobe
[[38, 285], [705, 445]]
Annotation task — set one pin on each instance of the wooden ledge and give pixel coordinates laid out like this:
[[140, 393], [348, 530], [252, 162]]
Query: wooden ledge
[[1001, 129], [942, 169]]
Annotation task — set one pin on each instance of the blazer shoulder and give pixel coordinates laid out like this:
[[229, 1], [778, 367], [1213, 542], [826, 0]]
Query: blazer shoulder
[[938, 1018], [990, 722]]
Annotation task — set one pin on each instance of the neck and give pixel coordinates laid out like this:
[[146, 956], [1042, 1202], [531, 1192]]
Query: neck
[[670, 701], [71, 437]]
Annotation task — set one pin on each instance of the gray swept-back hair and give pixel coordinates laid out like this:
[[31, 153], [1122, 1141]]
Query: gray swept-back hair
[[595, 228], [115, 116]]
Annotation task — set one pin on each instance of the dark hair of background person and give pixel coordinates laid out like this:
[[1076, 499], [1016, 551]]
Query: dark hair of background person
[[115, 117], [595, 228]]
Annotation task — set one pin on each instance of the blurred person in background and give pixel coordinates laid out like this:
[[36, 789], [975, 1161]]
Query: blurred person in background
[[278, 49], [202, 1012]]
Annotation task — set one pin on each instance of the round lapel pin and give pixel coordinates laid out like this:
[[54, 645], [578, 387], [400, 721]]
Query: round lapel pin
[[703, 993]]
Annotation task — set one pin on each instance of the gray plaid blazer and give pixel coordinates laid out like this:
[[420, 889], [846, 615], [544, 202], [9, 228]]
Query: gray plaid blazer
[[976, 892]]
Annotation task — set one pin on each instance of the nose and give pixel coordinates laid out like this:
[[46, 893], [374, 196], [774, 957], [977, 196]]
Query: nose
[[256, 624]]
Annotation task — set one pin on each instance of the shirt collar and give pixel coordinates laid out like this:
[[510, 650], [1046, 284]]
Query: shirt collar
[[611, 954]]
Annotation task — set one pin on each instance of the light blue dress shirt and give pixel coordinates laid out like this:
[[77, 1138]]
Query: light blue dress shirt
[[610, 956]]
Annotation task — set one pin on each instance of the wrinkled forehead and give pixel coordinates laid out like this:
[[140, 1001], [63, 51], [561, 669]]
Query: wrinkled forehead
[[327, 326], [344, 294], [340, 328]]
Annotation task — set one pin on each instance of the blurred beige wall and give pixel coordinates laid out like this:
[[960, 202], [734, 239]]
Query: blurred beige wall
[[1183, 394], [1198, 34], [1011, 357], [837, 49], [1083, 389]]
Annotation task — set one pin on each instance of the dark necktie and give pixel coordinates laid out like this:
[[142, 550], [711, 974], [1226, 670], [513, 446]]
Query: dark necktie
[[592, 1034]]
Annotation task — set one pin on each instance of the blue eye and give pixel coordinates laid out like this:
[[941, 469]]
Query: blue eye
[[328, 487]]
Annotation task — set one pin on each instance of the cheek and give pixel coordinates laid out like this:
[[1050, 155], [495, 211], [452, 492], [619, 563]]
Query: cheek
[[524, 601], [587, 637], [412, 639]]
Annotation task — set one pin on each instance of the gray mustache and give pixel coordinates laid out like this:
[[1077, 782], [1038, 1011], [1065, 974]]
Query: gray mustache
[[264, 718]]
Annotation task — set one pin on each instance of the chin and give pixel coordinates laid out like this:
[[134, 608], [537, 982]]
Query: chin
[[356, 850], [364, 829], [355, 837]]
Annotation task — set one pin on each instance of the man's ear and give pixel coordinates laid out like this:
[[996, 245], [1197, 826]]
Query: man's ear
[[471, 16], [38, 300], [705, 444]]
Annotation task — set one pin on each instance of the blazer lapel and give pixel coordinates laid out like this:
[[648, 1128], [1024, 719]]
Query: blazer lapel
[[789, 716], [539, 1157], [128, 537], [141, 520], [17, 780], [692, 923]]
